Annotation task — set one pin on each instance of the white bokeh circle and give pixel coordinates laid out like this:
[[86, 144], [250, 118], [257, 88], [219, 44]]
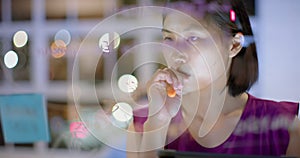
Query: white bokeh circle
[[122, 112], [127, 83], [20, 39], [11, 59]]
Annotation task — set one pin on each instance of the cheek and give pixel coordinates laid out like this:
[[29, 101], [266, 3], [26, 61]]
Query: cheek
[[214, 63], [202, 75], [204, 64], [207, 68]]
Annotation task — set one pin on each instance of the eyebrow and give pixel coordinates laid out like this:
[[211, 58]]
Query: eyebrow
[[194, 27], [190, 27], [165, 30]]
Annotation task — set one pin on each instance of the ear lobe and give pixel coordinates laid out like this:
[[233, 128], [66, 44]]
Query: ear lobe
[[236, 44]]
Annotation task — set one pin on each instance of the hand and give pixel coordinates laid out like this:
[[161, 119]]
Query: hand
[[162, 106]]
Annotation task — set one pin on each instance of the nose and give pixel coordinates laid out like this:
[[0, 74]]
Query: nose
[[178, 58], [179, 55]]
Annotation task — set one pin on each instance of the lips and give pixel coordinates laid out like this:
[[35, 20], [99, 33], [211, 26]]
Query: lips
[[180, 68]]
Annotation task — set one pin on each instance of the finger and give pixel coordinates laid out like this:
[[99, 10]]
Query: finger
[[171, 82], [163, 75], [179, 79], [157, 97], [176, 81]]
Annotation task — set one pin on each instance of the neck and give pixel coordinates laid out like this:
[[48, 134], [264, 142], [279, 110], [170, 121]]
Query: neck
[[214, 103]]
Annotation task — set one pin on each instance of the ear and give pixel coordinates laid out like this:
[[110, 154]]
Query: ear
[[236, 44]]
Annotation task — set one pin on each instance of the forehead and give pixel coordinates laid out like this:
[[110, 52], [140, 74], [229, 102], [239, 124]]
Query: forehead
[[179, 21]]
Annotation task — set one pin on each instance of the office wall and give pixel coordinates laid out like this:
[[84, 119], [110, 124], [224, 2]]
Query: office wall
[[277, 30]]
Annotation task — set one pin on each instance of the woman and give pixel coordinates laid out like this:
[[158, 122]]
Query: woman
[[212, 62]]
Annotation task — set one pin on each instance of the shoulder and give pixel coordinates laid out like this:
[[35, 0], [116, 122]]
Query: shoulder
[[271, 114], [273, 107]]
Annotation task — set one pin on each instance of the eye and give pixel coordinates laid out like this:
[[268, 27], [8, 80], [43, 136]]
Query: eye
[[193, 38], [167, 38]]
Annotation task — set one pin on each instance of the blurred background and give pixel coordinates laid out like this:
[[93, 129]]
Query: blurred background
[[39, 45]]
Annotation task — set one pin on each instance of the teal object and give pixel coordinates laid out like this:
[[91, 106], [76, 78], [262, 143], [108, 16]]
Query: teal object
[[24, 118]]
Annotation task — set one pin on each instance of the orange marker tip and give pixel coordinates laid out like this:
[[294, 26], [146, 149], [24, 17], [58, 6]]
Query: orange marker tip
[[171, 91]]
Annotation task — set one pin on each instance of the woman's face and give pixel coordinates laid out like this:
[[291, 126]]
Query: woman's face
[[198, 53]]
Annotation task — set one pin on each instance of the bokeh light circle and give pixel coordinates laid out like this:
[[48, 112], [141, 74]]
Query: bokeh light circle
[[11, 59], [109, 41], [20, 38], [63, 35], [128, 83], [58, 48], [122, 112]]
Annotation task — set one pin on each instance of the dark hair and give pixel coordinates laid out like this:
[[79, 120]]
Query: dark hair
[[243, 71]]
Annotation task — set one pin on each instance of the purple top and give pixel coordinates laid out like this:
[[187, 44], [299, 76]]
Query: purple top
[[261, 130]]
